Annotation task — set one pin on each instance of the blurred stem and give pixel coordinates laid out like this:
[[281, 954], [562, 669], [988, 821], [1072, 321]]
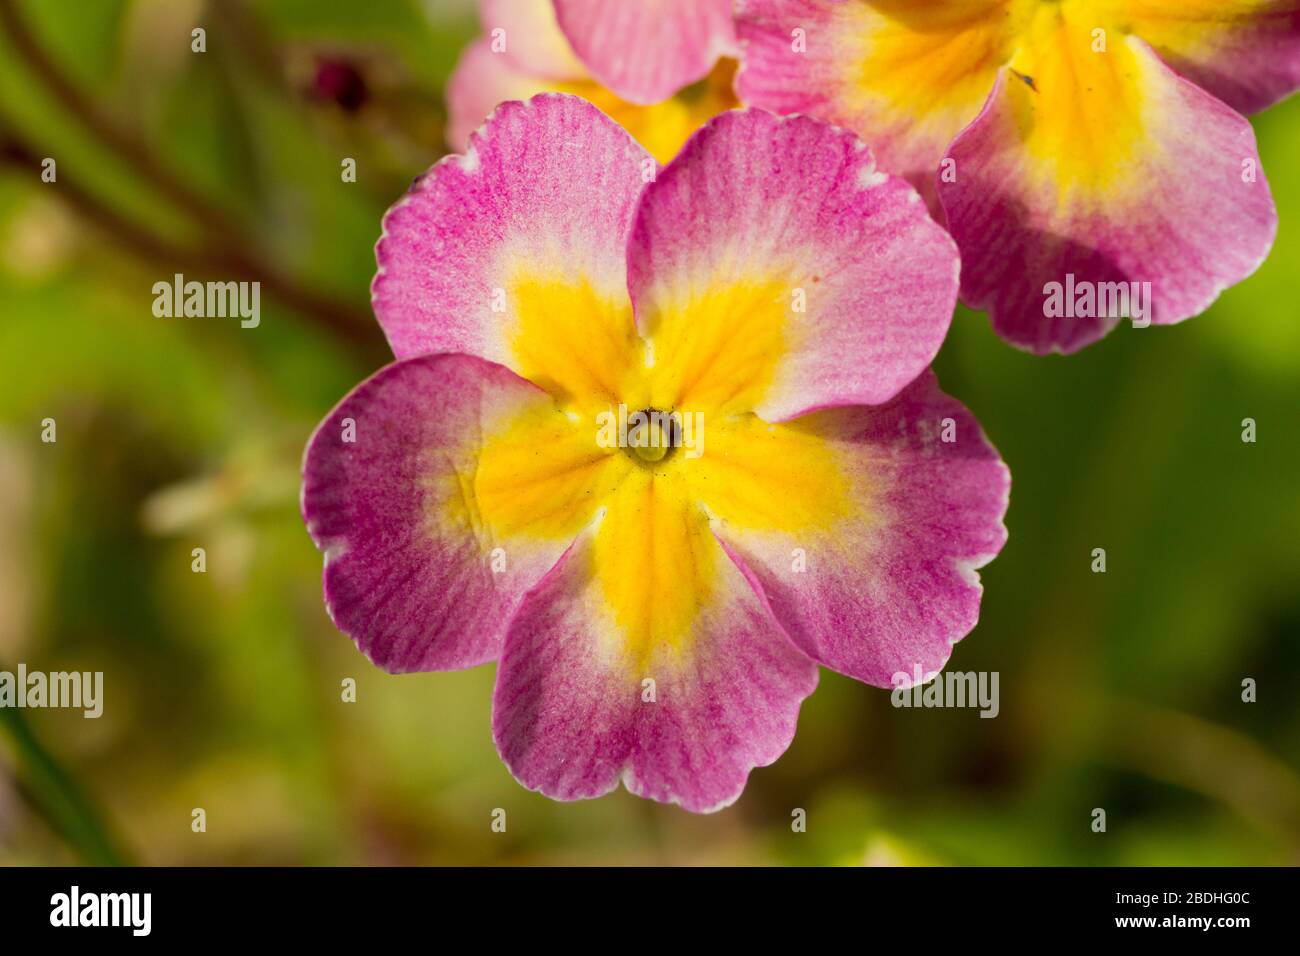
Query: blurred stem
[[347, 323], [1212, 760], [125, 143], [221, 250], [57, 797]]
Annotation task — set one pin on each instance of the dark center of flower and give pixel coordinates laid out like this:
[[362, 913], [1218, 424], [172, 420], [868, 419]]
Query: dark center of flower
[[653, 435]]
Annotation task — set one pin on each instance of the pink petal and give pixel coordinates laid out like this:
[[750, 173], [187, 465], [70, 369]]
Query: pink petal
[[646, 50], [569, 714], [1245, 52], [551, 184], [409, 571], [529, 38], [860, 281], [891, 588], [906, 77], [1179, 213]]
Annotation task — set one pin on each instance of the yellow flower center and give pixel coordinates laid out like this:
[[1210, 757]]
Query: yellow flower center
[[605, 450]]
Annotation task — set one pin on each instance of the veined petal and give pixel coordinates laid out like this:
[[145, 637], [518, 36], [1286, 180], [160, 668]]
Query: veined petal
[[396, 481], [530, 38], [868, 561], [1101, 172], [905, 76], [516, 251], [1245, 52], [646, 50], [582, 701], [774, 269]]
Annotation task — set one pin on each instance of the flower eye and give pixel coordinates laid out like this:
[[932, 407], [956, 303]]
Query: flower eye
[[653, 436]]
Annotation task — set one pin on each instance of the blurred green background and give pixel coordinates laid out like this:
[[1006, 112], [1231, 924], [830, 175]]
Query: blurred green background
[[222, 690]]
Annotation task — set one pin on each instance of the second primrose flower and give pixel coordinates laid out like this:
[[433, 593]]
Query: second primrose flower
[[660, 70], [657, 617], [1096, 144]]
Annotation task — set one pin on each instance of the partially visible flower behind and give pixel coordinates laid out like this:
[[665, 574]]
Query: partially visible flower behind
[[657, 613], [1080, 141], [660, 68]]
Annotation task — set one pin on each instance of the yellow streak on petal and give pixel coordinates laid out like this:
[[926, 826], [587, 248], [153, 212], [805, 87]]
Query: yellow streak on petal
[[937, 58], [568, 339], [1079, 110], [910, 76], [718, 349], [655, 558], [779, 478], [542, 475]]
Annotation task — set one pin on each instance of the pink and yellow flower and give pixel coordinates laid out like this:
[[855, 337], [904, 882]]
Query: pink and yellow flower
[[660, 68], [657, 614], [1082, 141]]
